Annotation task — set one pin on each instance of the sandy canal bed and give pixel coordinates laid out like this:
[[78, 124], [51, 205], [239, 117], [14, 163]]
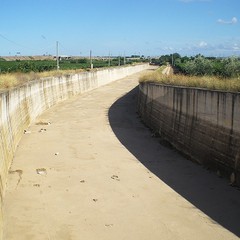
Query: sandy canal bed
[[96, 173]]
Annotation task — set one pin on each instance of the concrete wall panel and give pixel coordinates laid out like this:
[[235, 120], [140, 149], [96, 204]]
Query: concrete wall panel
[[202, 124]]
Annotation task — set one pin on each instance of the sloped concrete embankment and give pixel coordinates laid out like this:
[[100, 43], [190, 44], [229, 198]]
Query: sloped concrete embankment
[[203, 124], [20, 106]]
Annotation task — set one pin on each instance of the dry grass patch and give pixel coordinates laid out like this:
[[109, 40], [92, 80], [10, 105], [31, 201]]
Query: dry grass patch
[[7, 81], [10, 80], [208, 82]]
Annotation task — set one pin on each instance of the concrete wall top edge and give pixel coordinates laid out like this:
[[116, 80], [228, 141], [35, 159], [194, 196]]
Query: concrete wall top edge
[[192, 88]]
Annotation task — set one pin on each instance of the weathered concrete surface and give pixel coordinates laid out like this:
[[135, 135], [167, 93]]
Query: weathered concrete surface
[[20, 106], [203, 124], [92, 182]]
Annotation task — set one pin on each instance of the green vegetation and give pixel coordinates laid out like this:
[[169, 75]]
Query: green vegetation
[[200, 72], [202, 66], [26, 66], [44, 65]]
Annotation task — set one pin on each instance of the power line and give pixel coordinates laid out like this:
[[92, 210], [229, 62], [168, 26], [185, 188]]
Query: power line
[[2, 36], [66, 50], [49, 47]]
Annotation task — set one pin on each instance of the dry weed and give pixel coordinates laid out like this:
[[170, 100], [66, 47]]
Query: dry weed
[[10, 80], [209, 82]]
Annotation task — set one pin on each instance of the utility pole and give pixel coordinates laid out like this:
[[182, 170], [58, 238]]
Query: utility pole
[[119, 61], [91, 64], [109, 60], [57, 57]]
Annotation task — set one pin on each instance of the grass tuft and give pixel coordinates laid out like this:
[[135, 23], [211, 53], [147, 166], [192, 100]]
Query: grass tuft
[[208, 82], [10, 80], [7, 81]]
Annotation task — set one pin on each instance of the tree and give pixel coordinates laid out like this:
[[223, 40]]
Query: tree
[[199, 66], [231, 67]]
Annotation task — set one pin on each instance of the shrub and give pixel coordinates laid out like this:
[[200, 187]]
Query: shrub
[[231, 67], [200, 66]]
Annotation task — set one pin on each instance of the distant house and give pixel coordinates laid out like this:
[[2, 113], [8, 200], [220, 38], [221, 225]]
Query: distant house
[[62, 57]]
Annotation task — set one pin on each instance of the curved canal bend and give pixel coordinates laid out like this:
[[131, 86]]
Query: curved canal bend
[[97, 173]]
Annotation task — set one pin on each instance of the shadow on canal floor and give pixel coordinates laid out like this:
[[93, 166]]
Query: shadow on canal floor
[[204, 189]]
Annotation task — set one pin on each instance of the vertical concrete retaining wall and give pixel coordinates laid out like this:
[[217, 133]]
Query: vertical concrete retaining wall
[[203, 124], [20, 106]]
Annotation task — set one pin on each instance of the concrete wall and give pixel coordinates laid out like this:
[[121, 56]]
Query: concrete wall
[[203, 124], [20, 106]]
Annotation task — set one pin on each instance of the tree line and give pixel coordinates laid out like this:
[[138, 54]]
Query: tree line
[[199, 65]]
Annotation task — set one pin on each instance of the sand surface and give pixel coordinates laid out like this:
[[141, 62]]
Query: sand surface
[[97, 173]]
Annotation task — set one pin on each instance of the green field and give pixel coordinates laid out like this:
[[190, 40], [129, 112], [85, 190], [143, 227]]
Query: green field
[[26, 66]]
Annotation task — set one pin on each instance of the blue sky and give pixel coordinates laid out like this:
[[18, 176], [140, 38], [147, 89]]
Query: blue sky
[[146, 27]]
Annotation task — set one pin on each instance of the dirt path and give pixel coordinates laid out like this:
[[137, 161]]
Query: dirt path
[[167, 70], [89, 175]]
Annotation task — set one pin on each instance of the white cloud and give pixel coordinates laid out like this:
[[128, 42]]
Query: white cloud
[[236, 47], [168, 48], [225, 47], [202, 44], [233, 21]]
